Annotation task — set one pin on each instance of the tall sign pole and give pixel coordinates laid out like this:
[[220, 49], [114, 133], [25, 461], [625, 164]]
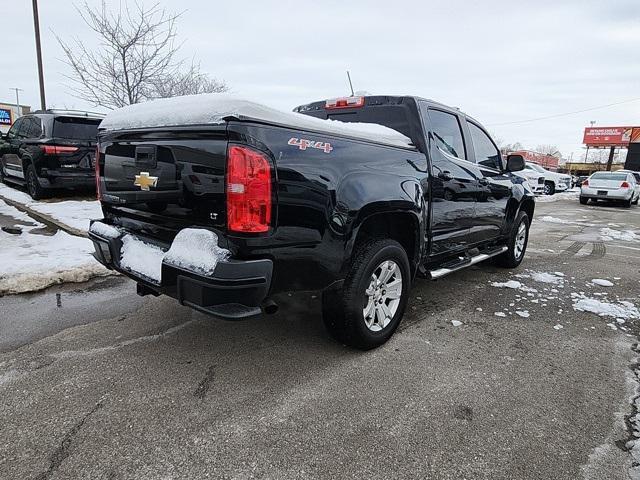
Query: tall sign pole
[[18, 109], [36, 27]]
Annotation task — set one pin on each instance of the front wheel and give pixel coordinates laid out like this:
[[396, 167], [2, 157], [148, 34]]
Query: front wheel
[[517, 244], [549, 188], [368, 308]]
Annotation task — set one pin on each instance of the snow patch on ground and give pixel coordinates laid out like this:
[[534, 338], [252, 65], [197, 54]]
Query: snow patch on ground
[[622, 310], [500, 314], [216, 108], [509, 284], [602, 282], [456, 323], [74, 213], [623, 235], [568, 195], [30, 261]]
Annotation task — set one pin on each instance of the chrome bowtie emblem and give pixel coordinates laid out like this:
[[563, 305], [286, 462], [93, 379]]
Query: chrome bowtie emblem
[[144, 181]]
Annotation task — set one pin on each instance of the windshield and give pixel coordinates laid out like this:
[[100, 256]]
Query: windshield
[[535, 167], [75, 128], [618, 177]]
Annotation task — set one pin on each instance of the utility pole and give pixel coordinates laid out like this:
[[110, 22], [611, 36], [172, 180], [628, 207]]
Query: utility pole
[[36, 27], [18, 109]]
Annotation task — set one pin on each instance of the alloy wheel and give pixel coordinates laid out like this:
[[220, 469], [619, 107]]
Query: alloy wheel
[[382, 297]]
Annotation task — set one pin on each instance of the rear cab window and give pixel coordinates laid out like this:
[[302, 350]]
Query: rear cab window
[[74, 128]]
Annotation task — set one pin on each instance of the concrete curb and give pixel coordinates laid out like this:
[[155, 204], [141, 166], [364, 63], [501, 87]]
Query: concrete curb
[[44, 218]]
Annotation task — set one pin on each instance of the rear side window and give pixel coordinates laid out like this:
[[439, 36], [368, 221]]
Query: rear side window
[[447, 132], [487, 153], [618, 177], [75, 128], [31, 128]]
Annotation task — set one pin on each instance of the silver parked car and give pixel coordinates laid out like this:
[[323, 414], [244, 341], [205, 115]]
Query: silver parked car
[[611, 186]]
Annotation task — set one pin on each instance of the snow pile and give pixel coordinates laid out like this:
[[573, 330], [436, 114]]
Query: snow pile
[[74, 213], [141, 258], [196, 249], [192, 249], [626, 235], [500, 314], [104, 230], [602, 282], [568, 195], [549, 219], [510, 284], [555, 278], [215, 108], [456, 323], [623, 310], [30, 261]]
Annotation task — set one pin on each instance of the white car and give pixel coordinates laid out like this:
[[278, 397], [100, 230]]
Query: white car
[[553, 181], [534, 179], [611, 186]]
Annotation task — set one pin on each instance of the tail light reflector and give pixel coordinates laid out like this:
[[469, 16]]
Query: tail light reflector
[[345, 102], [96, 164], [248, 190], [625, 185], [58, 149], [585, 183]]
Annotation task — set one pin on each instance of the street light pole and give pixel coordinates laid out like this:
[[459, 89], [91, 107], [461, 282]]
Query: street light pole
[[18, 90], [36, 27]]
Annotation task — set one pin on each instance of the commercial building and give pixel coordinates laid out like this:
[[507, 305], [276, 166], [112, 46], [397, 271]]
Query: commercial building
[[9, 113]]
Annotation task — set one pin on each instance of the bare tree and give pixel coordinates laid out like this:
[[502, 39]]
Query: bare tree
[[507, 148], [136, 59], [549, 150]]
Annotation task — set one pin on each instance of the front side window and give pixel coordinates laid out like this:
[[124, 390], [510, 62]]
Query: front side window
[[447, 132], [487, 153]]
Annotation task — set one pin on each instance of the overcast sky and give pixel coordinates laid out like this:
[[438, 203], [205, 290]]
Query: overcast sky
[[500, 61]]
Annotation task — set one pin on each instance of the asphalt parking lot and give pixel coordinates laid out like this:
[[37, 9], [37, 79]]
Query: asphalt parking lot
[[98, 383]]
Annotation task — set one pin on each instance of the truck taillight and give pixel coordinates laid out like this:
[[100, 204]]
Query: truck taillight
[[345, 102], [58, 149], [625, 185], [96, 165], [248, 190]]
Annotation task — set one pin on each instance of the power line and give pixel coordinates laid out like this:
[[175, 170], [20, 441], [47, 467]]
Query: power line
[[564, 114]]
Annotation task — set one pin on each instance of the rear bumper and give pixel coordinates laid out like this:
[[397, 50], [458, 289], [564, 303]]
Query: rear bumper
[[618, 194], [237, 289], [67, 178]]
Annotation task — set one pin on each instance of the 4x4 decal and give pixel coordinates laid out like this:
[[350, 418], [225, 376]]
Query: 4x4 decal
[[303, 144]]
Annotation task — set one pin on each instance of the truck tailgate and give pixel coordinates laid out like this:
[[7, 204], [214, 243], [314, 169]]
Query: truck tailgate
[[170, 178]]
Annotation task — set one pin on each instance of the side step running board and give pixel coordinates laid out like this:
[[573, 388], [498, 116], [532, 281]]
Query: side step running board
[[466, 262]]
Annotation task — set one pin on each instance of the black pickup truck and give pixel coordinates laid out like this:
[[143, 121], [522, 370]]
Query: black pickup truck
[[256, 202]]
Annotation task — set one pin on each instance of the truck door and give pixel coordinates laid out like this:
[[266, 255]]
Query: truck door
[[494, 187], [453, 185]]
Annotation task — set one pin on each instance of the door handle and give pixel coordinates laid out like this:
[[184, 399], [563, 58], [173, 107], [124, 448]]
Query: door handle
[[445, 175]]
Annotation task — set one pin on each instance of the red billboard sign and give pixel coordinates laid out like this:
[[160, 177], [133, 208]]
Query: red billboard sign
[[607, 136]]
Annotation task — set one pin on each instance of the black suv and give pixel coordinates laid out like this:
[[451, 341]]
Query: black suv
[[50, 149]]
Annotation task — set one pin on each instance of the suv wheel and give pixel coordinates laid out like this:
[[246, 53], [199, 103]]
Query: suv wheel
[[366, 311], [549, 188], [517, 244], [33, 185]]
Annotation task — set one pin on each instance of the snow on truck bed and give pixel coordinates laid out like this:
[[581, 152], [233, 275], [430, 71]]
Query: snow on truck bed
[[216, 108]]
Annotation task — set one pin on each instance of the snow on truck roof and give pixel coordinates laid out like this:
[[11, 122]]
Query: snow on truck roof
[[216, 108]]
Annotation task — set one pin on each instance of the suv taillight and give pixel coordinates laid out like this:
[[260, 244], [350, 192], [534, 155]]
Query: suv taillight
[[248, 190], [58, 149], [96, 164]]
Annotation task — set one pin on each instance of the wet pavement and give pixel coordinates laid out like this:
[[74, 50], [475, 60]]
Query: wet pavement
[[96, 382]]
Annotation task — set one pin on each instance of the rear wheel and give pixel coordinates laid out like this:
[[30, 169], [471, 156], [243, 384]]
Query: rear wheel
[[368, 308], [584, 201], [627, 203], [635, 202], [517, 244], [33, 185]]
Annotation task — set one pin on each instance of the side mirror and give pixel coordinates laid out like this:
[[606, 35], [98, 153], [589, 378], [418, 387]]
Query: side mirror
[[515, 163]]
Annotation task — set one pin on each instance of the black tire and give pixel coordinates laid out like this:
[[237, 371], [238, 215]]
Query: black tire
[[510, 258], [1, 171], [549, 188], [635, 202], [584, 201], [33, 185], [342, 310], [627, 203]]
